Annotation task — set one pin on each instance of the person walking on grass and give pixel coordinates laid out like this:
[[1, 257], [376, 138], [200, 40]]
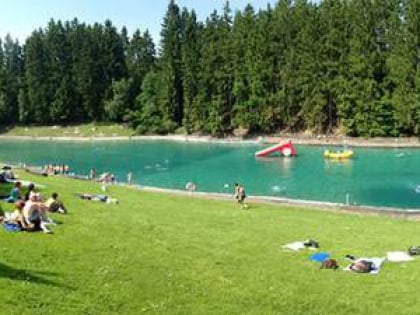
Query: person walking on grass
[[240, 195]]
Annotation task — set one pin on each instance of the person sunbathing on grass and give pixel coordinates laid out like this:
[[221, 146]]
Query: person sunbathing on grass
[[102, 198], [360, 266]]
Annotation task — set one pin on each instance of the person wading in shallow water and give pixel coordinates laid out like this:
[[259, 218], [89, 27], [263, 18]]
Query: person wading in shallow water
[[240, 195], [129, 178]]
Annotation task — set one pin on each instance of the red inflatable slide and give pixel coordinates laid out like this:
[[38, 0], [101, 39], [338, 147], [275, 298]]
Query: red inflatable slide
[[285, 149]]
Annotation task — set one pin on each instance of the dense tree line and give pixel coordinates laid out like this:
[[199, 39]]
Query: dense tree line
[[349, 66]]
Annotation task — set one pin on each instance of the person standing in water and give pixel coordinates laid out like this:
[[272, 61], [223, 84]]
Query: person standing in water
[[129, 177], [240, 195], [92, 174]]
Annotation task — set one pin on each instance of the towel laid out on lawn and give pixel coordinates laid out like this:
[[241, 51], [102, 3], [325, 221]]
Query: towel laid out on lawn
[[11, 227], [319, 257], [296, 246], [376, 264], [398, 257]]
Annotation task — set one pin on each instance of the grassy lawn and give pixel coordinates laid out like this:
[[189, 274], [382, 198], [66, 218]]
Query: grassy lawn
[[83, 130], [165, 254]]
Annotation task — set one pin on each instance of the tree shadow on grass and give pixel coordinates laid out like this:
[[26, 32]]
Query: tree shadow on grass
[[36, 277], [4, 129]]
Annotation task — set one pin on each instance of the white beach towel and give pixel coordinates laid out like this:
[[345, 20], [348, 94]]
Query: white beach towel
[[398, 256], [377, 264], [296, 246]]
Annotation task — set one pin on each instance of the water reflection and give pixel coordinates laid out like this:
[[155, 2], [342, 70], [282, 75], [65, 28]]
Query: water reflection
[[338, 164], [284, 164]]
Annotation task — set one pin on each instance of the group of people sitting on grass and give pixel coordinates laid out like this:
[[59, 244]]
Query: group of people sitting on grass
[[30, 210]]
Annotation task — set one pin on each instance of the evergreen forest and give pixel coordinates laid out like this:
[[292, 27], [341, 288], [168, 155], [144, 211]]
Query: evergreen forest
[[335, 66]]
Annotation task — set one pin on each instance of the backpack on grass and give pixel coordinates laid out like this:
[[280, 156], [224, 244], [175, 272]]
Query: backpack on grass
[[329, 264], [414, 250], [311, 243]]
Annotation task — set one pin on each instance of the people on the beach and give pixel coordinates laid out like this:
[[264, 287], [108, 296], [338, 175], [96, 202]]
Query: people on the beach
[[240, 195], [106, 179], [190, 186], [129, 177], [102, 198], [56, 169], [92, 174]]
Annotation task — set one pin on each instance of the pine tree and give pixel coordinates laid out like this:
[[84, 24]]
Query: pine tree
[[370, 107], [3, 107], [13, 72], [216, 81], [36, 77], [206, 113], [330, 42], [60, 85], [116, 107], [140, 58], [243, 35], [403, 62], [149, 117], [191, 45], [171, 64]]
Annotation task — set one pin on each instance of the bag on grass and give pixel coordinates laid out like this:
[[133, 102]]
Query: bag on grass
[[414, 250], [311, 243], [329, 264]]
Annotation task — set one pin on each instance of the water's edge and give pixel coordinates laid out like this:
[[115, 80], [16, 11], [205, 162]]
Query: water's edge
[[296, 139]]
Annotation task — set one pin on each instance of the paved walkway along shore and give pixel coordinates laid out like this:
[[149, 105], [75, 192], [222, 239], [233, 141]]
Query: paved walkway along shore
[[319, 205]]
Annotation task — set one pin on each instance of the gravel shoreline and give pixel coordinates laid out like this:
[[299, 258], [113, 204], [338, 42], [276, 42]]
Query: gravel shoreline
[[296, 139]]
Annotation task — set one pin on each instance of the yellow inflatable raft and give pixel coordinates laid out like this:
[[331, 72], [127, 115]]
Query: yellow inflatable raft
[[346, 154]]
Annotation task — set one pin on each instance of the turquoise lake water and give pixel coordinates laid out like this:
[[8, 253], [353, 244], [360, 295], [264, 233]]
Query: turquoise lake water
[[374, 177]]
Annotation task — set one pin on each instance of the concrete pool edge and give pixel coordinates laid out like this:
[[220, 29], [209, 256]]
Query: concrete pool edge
[[310, 204], [411, 142]]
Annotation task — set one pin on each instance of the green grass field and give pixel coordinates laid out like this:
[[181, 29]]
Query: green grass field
[[159, 253], [82, 130]]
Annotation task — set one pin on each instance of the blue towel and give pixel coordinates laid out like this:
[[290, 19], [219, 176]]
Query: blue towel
[[319, 257], [11, 227]]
